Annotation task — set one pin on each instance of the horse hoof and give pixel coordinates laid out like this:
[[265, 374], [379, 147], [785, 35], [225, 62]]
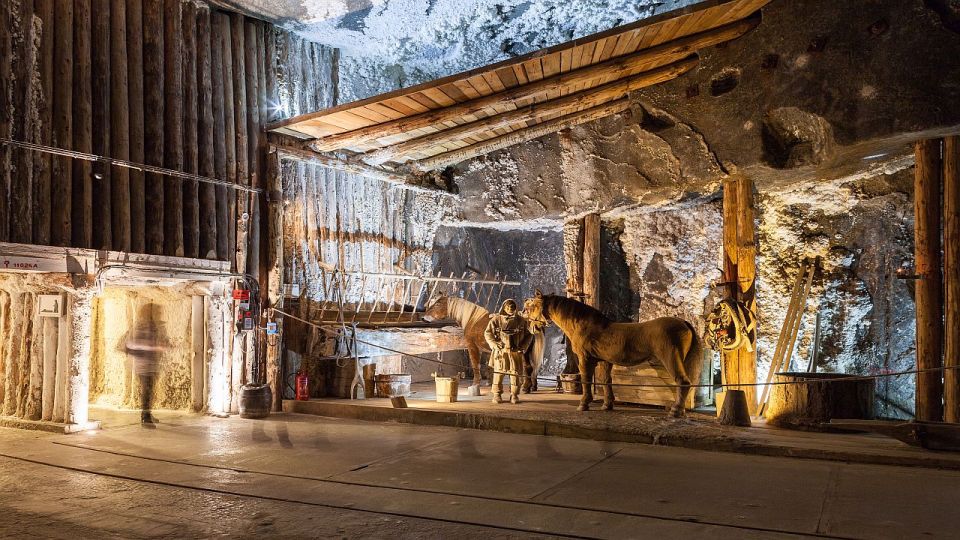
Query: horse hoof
[[583, 407], [515, 400], [608, 406], [678, 413]]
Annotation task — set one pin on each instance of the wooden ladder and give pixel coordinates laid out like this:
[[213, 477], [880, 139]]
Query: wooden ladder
[[791, 325]]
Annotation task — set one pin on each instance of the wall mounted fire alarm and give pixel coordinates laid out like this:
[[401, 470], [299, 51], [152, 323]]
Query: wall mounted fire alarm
[[50, 305]]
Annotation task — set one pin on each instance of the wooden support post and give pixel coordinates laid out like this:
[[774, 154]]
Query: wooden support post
[[119, 126], [6, 116], [206, 139], [101, 197], [591, 260], [242, 134], [153, 84], [253, 142], [43, 163], [926, 197], [218, 80], [230, 135], [190, 188], [739, 254], [24, 128], [82, 126], [746, 281], [61, 183], [135, 101], [951, 274], [173, 127], [274, 186]]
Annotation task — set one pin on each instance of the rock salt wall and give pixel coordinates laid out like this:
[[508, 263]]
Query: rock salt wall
[[113, 381], [340, 220]]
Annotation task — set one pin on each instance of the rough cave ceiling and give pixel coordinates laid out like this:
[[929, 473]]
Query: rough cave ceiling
[[390, 43]]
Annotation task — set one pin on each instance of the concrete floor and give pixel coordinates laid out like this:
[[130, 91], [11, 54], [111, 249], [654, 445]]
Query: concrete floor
[[303, 476]]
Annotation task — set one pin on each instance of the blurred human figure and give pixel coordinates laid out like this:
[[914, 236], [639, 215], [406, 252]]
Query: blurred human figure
[[145, 346], [508, 338]]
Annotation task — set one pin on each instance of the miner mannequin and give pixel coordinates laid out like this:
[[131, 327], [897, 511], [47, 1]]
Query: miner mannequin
[[508, 338]]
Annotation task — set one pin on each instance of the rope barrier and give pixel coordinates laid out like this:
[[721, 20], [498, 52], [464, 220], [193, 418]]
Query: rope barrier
[[634, 385]]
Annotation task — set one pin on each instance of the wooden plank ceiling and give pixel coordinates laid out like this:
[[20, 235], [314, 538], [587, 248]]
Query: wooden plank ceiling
[[451, 119]]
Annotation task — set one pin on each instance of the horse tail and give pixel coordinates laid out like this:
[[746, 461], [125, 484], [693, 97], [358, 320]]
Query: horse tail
[[693, 360]]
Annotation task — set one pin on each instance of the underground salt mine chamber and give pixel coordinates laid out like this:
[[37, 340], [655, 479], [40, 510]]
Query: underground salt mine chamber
[[273, 208]]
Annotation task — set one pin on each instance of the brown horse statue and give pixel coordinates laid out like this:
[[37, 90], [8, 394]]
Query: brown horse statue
[[668, 341], [473, 319]]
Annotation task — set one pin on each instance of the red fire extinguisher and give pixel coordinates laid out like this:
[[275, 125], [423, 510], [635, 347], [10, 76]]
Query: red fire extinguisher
[[303, 386]]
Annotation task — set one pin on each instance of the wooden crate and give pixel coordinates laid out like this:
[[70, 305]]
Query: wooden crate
[[645, 395]]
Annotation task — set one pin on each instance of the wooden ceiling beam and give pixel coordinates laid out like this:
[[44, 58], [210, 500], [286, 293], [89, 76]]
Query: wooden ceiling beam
[[617, 68], [521, 135], [587, 98]]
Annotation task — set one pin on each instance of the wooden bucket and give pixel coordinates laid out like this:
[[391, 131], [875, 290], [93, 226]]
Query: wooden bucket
[[571, 383], [447, 389], [393, 385]]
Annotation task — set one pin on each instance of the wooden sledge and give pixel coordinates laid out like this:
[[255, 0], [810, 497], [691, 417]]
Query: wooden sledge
[[929, 435]]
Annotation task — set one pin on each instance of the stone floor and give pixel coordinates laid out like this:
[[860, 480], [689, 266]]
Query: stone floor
[[550, 413], [304, 476]]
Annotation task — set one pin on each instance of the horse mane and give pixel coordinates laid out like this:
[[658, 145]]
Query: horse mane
[[464, 311], [572, 310]]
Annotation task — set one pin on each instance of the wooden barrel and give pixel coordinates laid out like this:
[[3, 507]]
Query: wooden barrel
[[255, 401], [393, 385], [815, 398]]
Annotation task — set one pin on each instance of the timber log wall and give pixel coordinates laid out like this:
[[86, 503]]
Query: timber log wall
[[169, 83]]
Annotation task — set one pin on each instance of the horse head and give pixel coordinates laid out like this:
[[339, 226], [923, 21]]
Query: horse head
[[436, 308], [533, 310]]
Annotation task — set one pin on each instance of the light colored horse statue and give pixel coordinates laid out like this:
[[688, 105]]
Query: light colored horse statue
[[667, 341], [473, 319]]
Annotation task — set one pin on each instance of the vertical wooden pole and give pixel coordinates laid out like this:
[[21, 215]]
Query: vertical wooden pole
[[746, 282], [191, 200], [102, 219], [43, 163], [230, 136], [264, 210], [951, 271], [219, 142], [274, 186], [135, 100], [119, 126], [242, 133], [739, 272], [591, 260], [173, 127], [926, 198], [153, 116], [82, 126], [62, 183], [250, 50], [730, 359], [207, 218], [6, 117], [24, 126]]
